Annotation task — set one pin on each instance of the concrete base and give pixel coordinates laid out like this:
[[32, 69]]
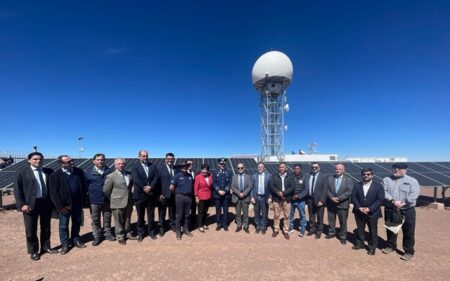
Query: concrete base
[[437, 206]]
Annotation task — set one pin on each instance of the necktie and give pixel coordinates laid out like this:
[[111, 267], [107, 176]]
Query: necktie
[[261, 184], [241, 183], [338, 183], [145, 169], [171, 171], [44, 188], [313, 182]]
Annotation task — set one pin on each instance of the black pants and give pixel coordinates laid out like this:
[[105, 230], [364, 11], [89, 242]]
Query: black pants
[[342, 216], [183, 203], [372, 224], [167, 204], [203, 206], [315, 214], [408, 229], [42, 211], [148, 205]]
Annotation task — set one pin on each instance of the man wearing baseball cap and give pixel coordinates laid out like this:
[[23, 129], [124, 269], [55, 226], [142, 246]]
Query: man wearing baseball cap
[[401, 192]]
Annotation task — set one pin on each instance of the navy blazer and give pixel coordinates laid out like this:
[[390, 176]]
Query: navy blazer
[[60, 190], [255, 182], [373, 199], [140, 179], [165, 179], [26, 186]]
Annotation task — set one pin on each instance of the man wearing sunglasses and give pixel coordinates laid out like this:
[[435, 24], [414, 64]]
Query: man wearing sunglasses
[[68, 191], [315, 184], [367, 198], [401, 192]]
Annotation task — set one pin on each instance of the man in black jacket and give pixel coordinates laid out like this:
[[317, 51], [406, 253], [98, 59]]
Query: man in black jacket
[[315, 184], [298, 200], [68, 191], [167, 197], [33, 200], [282, 188], [367, 198], [145, 194]]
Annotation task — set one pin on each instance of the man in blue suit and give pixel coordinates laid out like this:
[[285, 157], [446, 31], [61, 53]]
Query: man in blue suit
[[221, 194], [260, 197], [367, 198], [167, 198]]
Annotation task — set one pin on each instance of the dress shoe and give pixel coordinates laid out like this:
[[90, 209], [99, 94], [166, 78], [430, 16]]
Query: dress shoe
[[153, 236], [318, 236], [122, 241], [310, 233], [79, 244], [205, 227], [286, 235], [263, 232], [257, 231], [387, 250], [131, 237], [188, 233], [330, 236], [173, 228], [225, 228], [407, 257], [246, 230], [64, 250], [140, 238], [201, 229], [161, 232], [239, 228], [35, 256], [178, 235], [275, 233], [110, 238], [96, 242], [218, 228], [357, 247], [371, 252], [49, 251], [343, 241]]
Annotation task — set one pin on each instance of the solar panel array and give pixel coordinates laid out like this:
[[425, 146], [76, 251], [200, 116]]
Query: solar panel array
[[427, 173]]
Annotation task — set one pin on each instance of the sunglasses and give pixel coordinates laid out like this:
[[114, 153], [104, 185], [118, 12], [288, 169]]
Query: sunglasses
[[240, 168]]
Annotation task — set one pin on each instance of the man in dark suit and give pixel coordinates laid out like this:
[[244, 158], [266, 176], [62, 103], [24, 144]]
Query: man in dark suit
[[282, 188], [193, 216], [241, 186], [339, 191], [167, 197], [260, 197], [33, 200], [221, 193], [367, 198], [117, 188], [145, 194], [315, 183], [68, 191]]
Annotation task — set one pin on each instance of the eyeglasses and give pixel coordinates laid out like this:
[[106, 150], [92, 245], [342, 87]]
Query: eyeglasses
[[314, 167], [240, 168], [367, 174]]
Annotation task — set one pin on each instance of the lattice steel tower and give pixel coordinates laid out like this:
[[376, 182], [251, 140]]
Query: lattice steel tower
[[271, 75]]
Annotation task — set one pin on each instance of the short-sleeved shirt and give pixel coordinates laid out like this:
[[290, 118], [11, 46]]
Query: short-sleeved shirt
[[184, 183]]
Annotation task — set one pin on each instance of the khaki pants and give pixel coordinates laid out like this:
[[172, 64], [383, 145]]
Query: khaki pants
[[281, 208]]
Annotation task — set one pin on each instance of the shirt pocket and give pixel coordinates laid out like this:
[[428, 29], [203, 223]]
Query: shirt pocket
[[404, 191]]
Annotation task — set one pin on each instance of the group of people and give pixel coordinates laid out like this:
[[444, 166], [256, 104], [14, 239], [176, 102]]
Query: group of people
[[181, 191]]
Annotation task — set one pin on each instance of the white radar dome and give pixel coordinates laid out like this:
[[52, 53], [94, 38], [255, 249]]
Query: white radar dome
[[272, 66]]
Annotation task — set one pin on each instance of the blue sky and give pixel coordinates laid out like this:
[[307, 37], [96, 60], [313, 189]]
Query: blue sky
[[371, 78]]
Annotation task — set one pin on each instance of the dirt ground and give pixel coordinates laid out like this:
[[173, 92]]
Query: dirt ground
[[228, 255]]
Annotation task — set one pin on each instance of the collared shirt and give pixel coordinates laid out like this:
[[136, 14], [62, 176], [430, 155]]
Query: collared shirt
[[145, 168], [36, 175], [67, 171], [283, 176], [100, 171], [261, 184], [311, 187], [366, 187], [170, 169], [183, 182], [126, 178]]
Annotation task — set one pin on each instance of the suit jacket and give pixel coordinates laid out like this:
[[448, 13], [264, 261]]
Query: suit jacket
[[140, 179], [235, 188], [117, 190], [60, 189], [165, 178], [373, 199], [320, 189], [255, 182], [344, 194], [275, 187], [26, 185]]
